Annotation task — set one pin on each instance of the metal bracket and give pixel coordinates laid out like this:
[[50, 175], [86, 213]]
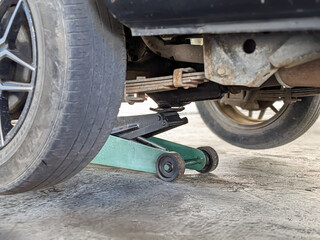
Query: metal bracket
[[146, 126]]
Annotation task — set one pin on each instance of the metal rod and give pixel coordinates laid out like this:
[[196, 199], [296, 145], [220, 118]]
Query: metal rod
[[147, 142]]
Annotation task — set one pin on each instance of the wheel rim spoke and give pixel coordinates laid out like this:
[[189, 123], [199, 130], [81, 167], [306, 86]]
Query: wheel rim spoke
[[16, 87], [6, 53], [274, 109], [261, 115], [11, 22]]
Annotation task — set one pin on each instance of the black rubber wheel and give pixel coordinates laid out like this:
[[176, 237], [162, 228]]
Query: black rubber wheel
[[70, 82], [291, 122], [212, 159], [170, 167]]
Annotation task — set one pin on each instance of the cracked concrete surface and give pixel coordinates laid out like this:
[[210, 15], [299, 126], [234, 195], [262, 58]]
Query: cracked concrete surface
[[269, 194]]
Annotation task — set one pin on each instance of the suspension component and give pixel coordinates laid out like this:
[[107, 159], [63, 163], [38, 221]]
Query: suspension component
[[182, 78]]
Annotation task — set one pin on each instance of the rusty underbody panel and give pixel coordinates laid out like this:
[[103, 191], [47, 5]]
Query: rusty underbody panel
[[251, 59]]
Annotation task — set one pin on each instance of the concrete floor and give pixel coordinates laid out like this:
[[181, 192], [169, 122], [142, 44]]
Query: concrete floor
[[270, 194]]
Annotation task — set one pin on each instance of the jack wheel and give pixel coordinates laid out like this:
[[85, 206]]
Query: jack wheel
[[170, 166], [212, 159]]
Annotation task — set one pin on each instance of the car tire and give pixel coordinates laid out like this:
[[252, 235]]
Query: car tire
[[294, 120], [79, 84]]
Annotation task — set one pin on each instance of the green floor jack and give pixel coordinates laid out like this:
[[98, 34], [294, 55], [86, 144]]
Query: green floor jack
[[132, 145]]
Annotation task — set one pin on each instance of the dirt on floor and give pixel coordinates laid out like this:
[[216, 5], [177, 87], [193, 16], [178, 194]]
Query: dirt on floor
[[269, 194]]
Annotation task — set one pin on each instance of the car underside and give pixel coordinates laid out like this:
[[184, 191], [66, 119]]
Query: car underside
[[251, 66], [251, 58]]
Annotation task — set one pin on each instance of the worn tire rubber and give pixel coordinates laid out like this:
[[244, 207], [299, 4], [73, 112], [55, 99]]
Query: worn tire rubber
[[80, 82], [295, 121]]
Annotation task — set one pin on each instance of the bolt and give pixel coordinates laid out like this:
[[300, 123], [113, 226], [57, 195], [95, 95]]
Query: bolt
[[221, 71]]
